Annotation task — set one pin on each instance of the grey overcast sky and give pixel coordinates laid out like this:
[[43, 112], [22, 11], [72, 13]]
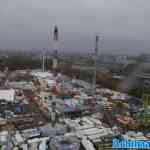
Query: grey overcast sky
[[123, 24]]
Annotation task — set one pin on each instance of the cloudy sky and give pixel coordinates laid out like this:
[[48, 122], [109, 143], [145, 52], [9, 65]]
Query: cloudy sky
[[124, 25]]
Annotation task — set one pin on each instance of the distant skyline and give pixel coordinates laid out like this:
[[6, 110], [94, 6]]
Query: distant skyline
[[123, 24]]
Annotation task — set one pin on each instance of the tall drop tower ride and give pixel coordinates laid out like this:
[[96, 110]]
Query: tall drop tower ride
[[55, 48], [55, 69], [95, 62]]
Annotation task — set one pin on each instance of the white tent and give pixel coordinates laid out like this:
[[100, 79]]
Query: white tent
[[8, 95], [87, 144]]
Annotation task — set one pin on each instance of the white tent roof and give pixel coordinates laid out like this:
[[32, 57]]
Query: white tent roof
[[87, 144], [7, 95], [42, 74]]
